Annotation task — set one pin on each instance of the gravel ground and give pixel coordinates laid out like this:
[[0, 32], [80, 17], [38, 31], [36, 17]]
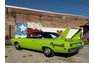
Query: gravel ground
[[27, 56]]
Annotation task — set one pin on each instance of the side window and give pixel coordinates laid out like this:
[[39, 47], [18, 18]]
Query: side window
[[35, 35], [39, 36], [53, 36]]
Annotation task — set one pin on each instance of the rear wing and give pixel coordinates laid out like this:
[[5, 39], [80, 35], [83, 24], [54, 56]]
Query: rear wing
[[64, 34], [77, 35]]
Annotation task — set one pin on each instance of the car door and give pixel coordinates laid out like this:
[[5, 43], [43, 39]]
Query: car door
[[38, 41], [34, 41]]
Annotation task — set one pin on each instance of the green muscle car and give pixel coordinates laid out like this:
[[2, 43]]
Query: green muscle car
[[50, 42]]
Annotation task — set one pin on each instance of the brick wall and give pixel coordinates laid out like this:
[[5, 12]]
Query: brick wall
[[46, 19]]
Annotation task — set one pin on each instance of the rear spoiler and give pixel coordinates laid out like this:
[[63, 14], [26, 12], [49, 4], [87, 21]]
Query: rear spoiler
[[64, 34], [77, 35]]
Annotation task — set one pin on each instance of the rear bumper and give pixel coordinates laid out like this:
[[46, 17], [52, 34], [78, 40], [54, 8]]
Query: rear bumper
[[76, 49]]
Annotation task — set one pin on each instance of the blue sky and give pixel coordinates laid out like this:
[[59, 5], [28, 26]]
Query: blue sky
[[78, 7]]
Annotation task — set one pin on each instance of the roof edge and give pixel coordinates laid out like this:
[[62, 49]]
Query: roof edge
[[43, 11]]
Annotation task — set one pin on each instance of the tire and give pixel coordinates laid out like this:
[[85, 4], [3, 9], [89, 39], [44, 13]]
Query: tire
[[17, 46], [48, 52]]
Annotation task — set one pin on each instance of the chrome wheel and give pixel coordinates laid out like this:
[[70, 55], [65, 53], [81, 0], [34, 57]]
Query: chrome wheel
[[48, 52], [17, 46]]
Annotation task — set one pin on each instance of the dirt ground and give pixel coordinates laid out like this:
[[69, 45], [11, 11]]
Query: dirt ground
[[28, 56]]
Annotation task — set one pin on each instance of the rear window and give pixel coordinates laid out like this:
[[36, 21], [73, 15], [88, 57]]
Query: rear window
[[50, 35]]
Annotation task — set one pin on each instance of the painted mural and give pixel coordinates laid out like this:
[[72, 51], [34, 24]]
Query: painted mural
[[21, 30], [34, 25], [24, 28]]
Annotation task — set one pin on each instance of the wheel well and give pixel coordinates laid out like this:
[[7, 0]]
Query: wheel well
[[15, 43], [45, 47]]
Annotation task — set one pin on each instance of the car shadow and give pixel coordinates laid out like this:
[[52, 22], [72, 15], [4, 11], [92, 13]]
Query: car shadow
[[55, 54], [65, 55], [32, 50]]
